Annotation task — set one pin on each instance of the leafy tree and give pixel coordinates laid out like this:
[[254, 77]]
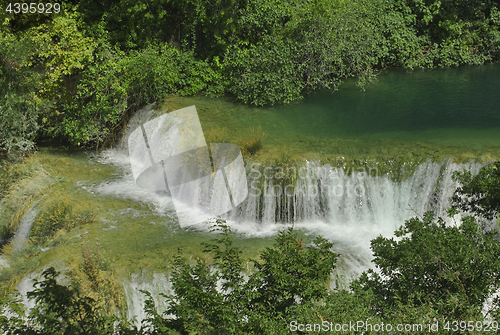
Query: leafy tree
[[61, 51], [77, 74], [256, 70], [11, 309], [291, 273], [479, 193], [452, 268], [198, 304], [217, 299], [19, 106], [18, 124], [61, 310], [100, 100]]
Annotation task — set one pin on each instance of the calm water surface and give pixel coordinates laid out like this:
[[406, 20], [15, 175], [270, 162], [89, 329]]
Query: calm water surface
[[443, 105], [454, 110]]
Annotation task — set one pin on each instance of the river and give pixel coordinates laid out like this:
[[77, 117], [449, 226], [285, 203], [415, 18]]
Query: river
[[369, 160]]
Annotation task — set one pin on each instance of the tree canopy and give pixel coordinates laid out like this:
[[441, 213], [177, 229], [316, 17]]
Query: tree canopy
[[76, 74], [480, 193]]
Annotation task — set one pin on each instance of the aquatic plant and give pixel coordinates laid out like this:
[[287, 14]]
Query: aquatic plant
[[95, 277], [20, 197], [252, 144]]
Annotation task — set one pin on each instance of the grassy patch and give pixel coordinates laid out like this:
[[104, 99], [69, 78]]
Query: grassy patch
[[217, 135], [253, 144], [60, 212], [11, 173], [20, 197], [21, 262], [95, 277]]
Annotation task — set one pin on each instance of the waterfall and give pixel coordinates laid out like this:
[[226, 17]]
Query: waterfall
[[157, 285], [360, 199], [21, 237], [350, 207]]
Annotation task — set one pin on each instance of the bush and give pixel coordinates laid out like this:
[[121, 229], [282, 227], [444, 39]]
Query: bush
[[19, 107], [61, 310], [452, 268], [479, 194], [288, 275], [118, 82], [18, 125], [253, 144], [99, 103], [263, 74]]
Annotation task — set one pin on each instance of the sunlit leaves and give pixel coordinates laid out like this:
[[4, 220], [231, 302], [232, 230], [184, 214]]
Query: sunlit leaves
[[454, 268], [61, 49], [479, 193]]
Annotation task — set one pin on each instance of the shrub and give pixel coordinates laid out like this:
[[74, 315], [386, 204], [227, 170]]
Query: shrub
[[253, 144], [19, 107], [453, 268], [18, 125], [264, 73], [479, 194], [62, 310], [217, 299]]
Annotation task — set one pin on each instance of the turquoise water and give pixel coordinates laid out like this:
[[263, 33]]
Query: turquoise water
[[432, 113], [411, 116], [425, 105]]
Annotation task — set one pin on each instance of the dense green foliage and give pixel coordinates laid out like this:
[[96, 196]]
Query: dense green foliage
[[287, 276], [432, 273], [479, 193], [451, 268], [76, 75]]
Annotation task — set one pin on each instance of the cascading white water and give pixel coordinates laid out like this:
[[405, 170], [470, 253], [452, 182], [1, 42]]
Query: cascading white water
[[22, 234], [359, 200], [349, 209], [156, 285]]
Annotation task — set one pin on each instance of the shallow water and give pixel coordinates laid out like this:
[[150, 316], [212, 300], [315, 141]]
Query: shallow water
[[417, 118], [455, 111], [21, 237]]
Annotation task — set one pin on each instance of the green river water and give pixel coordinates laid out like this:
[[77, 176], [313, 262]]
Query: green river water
[[404, 117], [434, 113]]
